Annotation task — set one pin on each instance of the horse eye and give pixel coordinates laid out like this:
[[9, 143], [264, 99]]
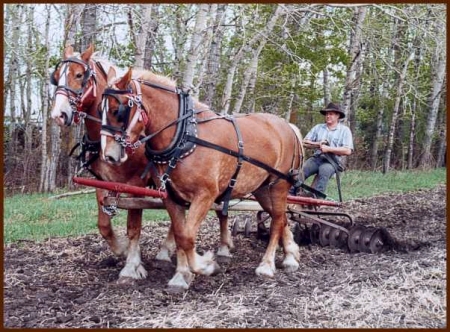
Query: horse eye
[[79, 75]]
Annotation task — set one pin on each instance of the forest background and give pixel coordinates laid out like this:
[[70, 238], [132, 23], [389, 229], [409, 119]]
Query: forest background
[[384, 63]]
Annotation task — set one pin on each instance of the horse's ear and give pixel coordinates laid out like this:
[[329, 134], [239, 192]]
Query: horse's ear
[[68, 52], [88, 53], [111, 75], [123, 82]]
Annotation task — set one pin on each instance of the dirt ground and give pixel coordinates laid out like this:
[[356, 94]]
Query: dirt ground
[[72, 282]]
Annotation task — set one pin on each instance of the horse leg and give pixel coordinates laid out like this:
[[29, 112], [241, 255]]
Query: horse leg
[[119, 246], [291, 249], [167, 248], [183, 275], [133, 266], [185, 231], [271, 199], [226, 242], [205, 264]]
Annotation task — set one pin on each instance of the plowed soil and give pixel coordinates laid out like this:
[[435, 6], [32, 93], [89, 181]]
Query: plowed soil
[[72, 282]]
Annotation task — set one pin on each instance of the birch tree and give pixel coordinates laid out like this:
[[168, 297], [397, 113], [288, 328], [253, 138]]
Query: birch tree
[[212, 71], [394, 118], [251, 70], [48, 164], [438, 71], [194, 49], [356, 52], [144, 18]]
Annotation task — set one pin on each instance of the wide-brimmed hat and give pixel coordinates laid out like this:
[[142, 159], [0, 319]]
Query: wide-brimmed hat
[[331, 107]]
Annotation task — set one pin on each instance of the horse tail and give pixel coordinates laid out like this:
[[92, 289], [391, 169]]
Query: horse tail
[[299, 136]]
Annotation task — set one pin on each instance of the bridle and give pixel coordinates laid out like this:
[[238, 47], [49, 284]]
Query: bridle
[[77, 97], [122, 134]]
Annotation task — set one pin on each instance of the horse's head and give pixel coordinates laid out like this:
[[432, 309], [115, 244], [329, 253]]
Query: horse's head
[[123, 118], [75, 85]]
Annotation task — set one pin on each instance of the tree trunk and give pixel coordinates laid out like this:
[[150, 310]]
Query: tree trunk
[[326, 87], [27, 105], [442, 141], [150, 42], [88, 26], [438, 74], [212, 71], [144, 16], [384, 96], [356, 53], [72, 21], [395, 111], [16, 18], [412, 127], [43, 185], [193, 55], [181, 17], [252, 68]]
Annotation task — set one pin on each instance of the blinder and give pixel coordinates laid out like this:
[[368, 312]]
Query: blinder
[[87, 73], [123, 112]]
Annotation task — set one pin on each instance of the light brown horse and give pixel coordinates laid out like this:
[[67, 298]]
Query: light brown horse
[[80, 81], [197, 154]]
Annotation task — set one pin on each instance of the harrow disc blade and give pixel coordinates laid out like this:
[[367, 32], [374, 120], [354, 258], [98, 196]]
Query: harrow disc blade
[[338, 238], [324, 235], [354, 238], [377, 242], [314, 234], [262, 232], [247, 227], [235, 228], [301, 235], [365, 239]]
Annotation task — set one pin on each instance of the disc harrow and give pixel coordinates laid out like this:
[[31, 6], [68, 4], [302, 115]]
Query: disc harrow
[[323, 228], [311, 226]]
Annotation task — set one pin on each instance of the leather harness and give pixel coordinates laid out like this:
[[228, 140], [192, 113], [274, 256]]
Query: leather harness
[[185, 141]]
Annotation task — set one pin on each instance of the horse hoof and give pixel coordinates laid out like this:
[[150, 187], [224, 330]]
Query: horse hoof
[[290, 264], [138, 272], [181, 281], [264, 270]]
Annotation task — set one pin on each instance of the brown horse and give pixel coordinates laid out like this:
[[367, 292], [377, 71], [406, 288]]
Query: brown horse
[[202, 157], [80, 83]]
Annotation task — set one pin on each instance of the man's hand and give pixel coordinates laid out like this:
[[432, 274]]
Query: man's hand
[[314, 145]]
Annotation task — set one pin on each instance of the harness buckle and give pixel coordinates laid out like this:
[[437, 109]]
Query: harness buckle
[[232, 183], [173, 163], [163, 179]]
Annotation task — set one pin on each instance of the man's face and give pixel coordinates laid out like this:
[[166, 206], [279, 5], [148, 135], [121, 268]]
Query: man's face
[[331, 117]]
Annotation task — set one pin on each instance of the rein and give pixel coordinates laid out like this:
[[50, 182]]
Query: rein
[[176, 149]]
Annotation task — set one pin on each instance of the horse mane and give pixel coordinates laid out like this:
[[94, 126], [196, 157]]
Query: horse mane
[[105, 63], [164, 80]]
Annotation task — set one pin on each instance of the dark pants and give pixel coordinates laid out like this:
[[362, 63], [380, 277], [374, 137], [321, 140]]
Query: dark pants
[[320, 166]]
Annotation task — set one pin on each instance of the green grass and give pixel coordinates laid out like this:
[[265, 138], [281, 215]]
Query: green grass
[[360, 184], [36, 217]]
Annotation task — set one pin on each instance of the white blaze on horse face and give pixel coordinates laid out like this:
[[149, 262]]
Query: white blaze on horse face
[[111, 151], [104, 122], [61, 107]]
